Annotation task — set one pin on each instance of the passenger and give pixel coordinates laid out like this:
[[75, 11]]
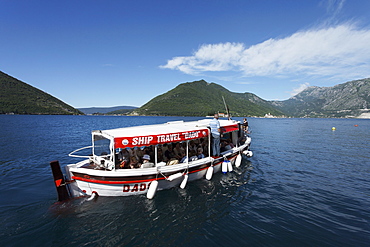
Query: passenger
[[159, 155], [123, 159], [200, 153], [151, 152], [123, 155], [138, 153], [241, 140], [192, 146], [130, 151], [124, 164], [223, 146], [193, 155], [183, 157], [164, 148], [146, 162], [172, 161], [178, 149], [245, 124], [227, 145], [170, 153], [204, 145], [230, 143], [216, 134], [134, 163]]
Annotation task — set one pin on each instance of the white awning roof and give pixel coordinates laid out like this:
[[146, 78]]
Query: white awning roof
[[161, 133], [165, 128]]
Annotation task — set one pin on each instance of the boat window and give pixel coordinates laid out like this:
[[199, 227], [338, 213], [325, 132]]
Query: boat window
[[101, 146], [161, 154]]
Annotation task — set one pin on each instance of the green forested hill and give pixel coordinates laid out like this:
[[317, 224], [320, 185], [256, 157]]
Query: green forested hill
[[20, 98], [200, 98]]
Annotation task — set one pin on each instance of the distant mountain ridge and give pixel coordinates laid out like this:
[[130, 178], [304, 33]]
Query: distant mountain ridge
[[350, 99], [105, 110], [200, 98], [17, 97]]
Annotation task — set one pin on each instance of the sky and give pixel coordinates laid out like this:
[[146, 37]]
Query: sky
[[103, 53]]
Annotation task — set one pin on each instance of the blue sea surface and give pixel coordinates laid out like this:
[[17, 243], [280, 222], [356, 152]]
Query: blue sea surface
[[306, 185]]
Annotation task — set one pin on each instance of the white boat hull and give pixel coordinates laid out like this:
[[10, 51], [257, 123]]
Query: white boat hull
[[128, 182]]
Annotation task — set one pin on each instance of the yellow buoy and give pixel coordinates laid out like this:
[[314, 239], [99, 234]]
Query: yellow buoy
[[333, 128]]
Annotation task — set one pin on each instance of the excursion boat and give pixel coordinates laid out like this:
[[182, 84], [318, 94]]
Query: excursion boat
[[106, 170]]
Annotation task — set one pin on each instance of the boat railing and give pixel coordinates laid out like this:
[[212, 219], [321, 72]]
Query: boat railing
[[80, 156]]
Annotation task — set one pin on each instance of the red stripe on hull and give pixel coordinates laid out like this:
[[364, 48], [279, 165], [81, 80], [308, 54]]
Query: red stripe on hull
[[114, 182], [90, 180]]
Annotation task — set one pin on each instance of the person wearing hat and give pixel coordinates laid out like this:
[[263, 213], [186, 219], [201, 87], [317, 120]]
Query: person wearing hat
[[146, 161]]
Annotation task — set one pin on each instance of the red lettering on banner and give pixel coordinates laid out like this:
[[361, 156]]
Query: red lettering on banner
[[124, 142], [191, 135]]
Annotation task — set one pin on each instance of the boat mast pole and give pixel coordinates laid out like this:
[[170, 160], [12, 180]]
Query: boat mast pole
[[155, 155], [227, 109]]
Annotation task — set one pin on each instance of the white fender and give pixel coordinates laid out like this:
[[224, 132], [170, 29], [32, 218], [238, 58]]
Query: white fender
[[238, 160], [93, 195], [224, 167], [175, 176], [229, 166], [248, 153], [209, 173], [152, 189], [183, 183]]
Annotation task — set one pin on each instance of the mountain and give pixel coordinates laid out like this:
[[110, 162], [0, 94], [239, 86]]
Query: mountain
[[200, 98], [350, 99], [20, 98], [109, 110]]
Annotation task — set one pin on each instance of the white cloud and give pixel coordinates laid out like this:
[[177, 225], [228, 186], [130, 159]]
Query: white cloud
[[333, 7], [338, 51], [209, 57], [299, 89], [246, 83]]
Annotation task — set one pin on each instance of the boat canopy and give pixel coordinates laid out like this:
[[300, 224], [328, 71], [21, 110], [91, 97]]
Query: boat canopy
[[176, 131]]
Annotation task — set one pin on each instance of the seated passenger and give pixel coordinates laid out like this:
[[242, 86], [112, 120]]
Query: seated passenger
[[192, 146], [225, 145], [146, 162], [134, 163], [172, 161], [169, 154], [159, 155], [242, 140], [124, 164], [200, 153], [193, 155], [124, 155], [183, 157], [178, 149], [228, 144]]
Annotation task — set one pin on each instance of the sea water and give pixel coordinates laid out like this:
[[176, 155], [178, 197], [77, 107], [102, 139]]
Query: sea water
[[306, 185]]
